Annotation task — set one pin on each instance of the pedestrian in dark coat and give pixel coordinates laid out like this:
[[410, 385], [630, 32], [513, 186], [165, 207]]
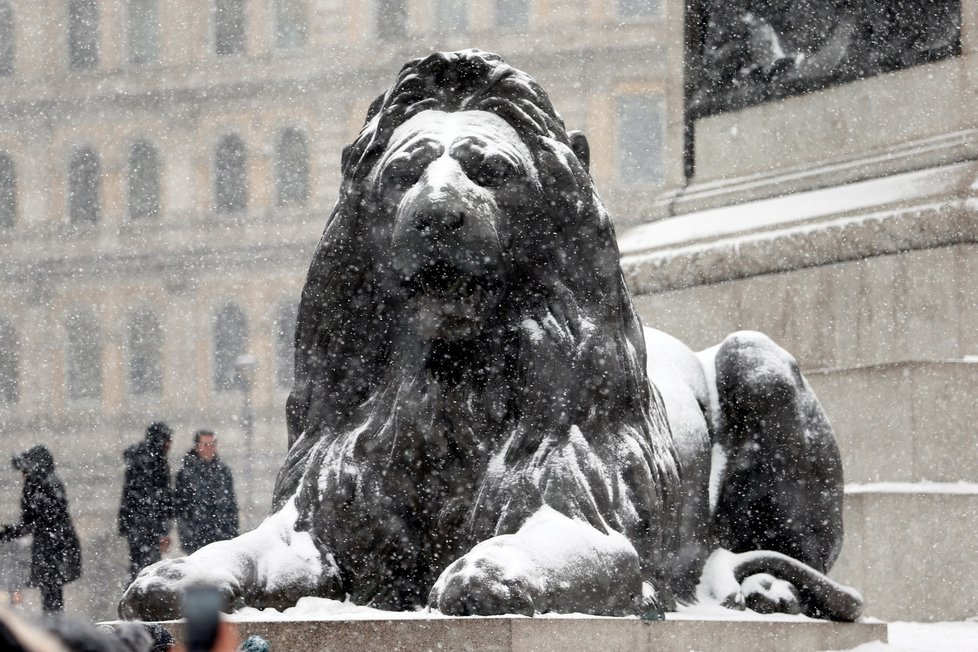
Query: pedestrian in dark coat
[[207, 510], [146, 512], [55, 551]]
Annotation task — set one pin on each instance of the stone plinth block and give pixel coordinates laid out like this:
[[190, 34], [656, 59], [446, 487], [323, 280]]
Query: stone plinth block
[[558, 633], [911, 550], [904, 422]]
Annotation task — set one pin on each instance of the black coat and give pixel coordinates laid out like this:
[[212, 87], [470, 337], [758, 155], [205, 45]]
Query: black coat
[[205, 504], [55, 551], [146, 511]]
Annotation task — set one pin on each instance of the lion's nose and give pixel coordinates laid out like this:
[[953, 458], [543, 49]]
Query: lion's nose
[[433, 222]]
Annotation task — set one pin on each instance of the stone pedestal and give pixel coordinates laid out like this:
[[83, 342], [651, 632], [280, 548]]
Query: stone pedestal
[[844, 224], [559, 634]]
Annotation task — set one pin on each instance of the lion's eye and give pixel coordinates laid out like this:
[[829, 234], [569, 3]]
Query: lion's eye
[[403, 176], [494, 171]]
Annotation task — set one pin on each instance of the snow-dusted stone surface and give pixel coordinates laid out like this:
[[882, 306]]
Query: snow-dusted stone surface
[[915, 210], [316, 624]]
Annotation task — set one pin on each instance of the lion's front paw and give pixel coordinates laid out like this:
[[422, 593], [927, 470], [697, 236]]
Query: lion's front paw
[[767, 594], [482, 586], [157, 592]]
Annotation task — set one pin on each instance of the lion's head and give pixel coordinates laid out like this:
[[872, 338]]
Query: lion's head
[[466, 302]]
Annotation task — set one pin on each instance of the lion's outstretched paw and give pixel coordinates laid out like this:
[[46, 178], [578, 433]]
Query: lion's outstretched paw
[[767, 594], [482, 586], [157, 592]]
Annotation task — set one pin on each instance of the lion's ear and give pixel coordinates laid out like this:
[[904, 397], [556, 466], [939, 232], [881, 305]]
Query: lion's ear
[[578, 143]]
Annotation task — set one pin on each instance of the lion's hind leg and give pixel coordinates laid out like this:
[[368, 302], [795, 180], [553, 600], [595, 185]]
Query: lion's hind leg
[[778, 480], [780, 487]]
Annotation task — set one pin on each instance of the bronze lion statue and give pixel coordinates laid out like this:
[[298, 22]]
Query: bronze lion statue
[[479, 423]]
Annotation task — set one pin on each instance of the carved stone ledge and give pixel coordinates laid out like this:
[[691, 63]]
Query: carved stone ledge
[[917, 210]]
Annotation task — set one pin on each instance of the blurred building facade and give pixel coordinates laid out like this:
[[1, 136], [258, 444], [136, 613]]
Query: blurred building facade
[[166, 169]]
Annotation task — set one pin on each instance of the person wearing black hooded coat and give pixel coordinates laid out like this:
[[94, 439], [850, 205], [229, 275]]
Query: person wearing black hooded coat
[[146, 510], [55, 550]]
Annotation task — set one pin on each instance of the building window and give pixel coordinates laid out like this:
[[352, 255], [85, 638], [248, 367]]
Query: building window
[[143, 32], [84, 187], [8, 192], [291, 168], [145, 340], [82, 34], [284, 324], [230, 342], [84, 358], [451, 16], [9, 350], [230, 175], [512, 13], [229, 27], [639, 8], [291, 26], [640, 137], [144, 182], [391, 18], [7, 39]]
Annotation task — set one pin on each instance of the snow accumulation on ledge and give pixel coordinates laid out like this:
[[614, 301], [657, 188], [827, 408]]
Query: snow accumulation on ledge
[[913, 488], [312, 609], [795, 209]]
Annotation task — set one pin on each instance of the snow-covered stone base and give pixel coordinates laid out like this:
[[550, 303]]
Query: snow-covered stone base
[[317, 624]]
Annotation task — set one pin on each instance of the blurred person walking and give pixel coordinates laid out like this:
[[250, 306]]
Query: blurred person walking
[[146, 511], [55, 551], [206, 508]]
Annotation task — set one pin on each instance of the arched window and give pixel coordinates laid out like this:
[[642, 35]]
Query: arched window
[[641, 120], [9, 369], [512, 13], [144, 182], [451, 16], [391, 18], [291, 168], [82, 34], [291, 26], [229, 27], [143, 32], [230, 175], [84, 186], [8, 192], [83, 363], [230, 341], [145, 347], [7, 39], [284, 325]]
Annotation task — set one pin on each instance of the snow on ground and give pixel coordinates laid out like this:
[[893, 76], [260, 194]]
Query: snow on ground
[[904, 637], [928, 637]]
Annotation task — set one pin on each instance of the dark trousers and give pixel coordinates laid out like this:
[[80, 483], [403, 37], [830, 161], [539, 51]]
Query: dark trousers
[[52, 598], [143, 551]]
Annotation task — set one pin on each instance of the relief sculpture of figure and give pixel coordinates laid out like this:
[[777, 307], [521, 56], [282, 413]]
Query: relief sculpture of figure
[[479, 422], [751, 51]]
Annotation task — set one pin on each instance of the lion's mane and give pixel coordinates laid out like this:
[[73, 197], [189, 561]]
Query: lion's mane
[[400, 461]]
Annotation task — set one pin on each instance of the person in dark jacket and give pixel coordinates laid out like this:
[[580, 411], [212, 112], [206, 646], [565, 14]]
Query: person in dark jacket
[[55, 551], [206, 507], [146, 512]]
